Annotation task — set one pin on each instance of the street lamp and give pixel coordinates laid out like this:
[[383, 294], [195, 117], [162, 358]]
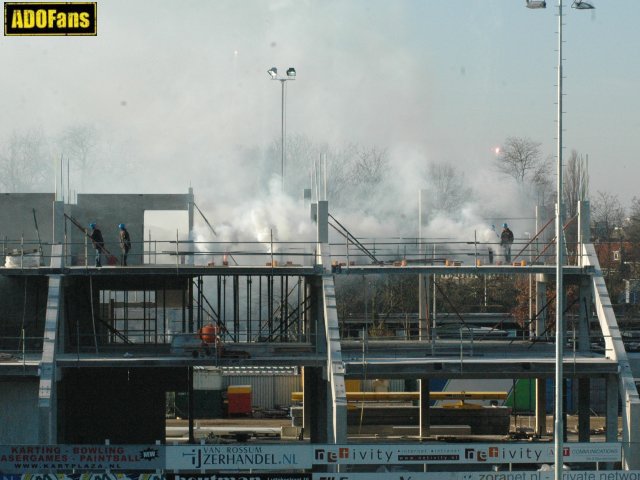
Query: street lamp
[[291, 75], [558, 429]]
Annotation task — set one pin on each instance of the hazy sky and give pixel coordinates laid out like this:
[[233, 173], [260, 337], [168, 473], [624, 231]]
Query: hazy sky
[[177, 89]]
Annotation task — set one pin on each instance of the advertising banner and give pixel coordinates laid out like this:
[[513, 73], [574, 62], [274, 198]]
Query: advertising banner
[[83, 476], [374, 454], [240, 476], [205, 458], [238, 457], [47, 458], [515, 475]]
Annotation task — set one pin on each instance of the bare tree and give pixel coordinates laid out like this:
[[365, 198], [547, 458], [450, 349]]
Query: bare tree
[[447, 187], [369, 165], [633, 222], [78, 143], [576, 183], [607, 213], [520, 158], [24, 164], [575, 189], [632, 233]]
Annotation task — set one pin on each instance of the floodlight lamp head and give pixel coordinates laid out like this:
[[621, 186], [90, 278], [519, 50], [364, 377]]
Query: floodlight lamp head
[[273, 72], [582, 5], [536, 4], [291, 73]]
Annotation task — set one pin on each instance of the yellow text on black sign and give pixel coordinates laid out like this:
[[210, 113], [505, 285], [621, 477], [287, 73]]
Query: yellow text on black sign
[[71, 18]]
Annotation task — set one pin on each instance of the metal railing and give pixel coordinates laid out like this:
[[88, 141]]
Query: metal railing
[[21, 253]]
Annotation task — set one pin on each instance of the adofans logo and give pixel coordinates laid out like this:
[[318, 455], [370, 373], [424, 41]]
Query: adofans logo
[[71, 18]]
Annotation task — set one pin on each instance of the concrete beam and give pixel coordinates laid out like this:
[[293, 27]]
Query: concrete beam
[[475, 368], [335, 365], [616, 351], [584, 316], [47, 411]]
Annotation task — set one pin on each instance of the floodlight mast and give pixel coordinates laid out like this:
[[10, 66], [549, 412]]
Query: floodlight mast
[[291, 75], [558, 430], [536, 4]]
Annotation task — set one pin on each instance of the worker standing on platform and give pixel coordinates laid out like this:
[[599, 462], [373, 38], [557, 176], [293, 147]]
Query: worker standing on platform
[[125, 243], [506, 240], [98, 242]]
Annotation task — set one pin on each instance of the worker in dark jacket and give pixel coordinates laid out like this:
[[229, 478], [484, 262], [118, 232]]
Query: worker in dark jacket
[[125, 243], [98, 242], [506, 240]]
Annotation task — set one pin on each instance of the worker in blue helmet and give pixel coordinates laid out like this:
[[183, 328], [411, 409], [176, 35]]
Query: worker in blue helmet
[[506, 240], [125, 243], [98, 242]]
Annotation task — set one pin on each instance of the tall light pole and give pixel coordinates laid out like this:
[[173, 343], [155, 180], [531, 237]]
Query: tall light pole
[[291, 75], [558, 429]]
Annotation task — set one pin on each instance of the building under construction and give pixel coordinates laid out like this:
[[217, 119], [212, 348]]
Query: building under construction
[[88, 354]]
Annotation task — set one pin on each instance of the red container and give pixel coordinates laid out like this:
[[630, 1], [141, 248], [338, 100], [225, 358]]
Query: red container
[[239, 400]]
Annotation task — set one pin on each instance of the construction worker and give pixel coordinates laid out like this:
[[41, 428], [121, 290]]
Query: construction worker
[[98, 242], [506, 240], [125, 243]]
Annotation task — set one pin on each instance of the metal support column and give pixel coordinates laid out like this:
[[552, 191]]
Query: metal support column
[[425, 417], [541, 406], [191, 403], [236, 308]]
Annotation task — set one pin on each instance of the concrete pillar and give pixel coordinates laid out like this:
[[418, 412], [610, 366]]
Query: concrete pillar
[[315, 405], [190, 248], [541, 406], [611, 424], [323, 221], [584, 226], [425, 417], [58, 223], [584, 411], [541, 301], [424, 327], [631, 433], [47, 391]]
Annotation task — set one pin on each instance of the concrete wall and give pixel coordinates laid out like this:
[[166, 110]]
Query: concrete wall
[[19, 412], [124, 405], [18, 312], [109, 210], [16, 219]]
